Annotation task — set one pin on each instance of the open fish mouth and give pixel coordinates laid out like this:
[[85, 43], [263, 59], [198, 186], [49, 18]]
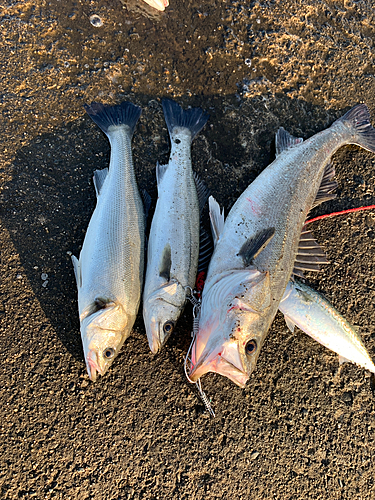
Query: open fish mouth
[[225, 360]]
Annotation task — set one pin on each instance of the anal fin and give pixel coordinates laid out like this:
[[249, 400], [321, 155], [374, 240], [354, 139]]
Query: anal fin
[[99, 178], [77, 271]]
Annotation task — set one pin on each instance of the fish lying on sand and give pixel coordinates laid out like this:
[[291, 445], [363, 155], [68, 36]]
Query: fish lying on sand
[[109, 272], [263, 242], [314, 315], [173, 247], [304, 307], [158, 4]]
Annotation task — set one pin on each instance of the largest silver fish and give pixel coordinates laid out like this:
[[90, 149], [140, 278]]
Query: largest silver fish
[[262, 241], [109, 271]]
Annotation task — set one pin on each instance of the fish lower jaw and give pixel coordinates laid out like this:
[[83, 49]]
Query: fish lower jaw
[[219, 365]]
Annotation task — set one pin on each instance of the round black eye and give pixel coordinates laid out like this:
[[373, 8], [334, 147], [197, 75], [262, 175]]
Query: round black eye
[[168, 327], [251, 347], [109, 352]]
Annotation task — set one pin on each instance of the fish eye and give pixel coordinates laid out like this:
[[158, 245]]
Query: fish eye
[[251, 347], [168, 327], [109, 352]]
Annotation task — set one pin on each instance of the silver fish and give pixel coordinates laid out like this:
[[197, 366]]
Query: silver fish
[[173, 246], [314, 315], [262, 242], [109, 272]]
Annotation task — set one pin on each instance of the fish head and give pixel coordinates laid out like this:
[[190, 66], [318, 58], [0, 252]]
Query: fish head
[[103, 333], [161, 311], [232, 330]]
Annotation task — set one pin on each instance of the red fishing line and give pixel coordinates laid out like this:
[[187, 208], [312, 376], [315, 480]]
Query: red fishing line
[[333, 214]]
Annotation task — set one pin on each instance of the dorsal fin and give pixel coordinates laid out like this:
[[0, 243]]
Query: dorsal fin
[[99, 178], [216, 218], [205, 250], [202, 191], [327, 186], [284, 140], [146, 198], [309, 254], [166, 263], [255, 244]]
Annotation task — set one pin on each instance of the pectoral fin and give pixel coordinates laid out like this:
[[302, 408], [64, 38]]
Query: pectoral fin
[[255, 244], [166, 263]]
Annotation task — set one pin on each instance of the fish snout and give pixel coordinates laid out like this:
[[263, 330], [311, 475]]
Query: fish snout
[[155, 341], [92, 366], [224, 360]]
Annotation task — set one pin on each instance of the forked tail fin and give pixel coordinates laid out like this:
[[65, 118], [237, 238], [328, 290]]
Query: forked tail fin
[[358, 119], [193, 119], [106, 116]]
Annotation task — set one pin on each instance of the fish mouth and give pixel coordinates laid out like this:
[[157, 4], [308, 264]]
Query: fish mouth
[[154, 343], [225, 360], [92, 366]]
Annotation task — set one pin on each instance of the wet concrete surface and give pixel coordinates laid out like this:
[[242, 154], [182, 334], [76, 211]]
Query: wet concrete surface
[[303, 427]]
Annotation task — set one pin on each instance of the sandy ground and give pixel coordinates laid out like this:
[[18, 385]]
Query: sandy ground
[[303, 428]]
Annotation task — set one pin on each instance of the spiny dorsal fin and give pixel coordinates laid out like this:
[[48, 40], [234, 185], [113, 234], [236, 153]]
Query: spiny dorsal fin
[[284, 140], [255, 244], [99, 178], [327, 186], [309, 255], [202, 191], [160, 171], [216, 218], [166, 263], [205, 250], [146, 198]]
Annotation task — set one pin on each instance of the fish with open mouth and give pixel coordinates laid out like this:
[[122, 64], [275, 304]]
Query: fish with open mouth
[[264, 241], [173, 246], [109, 272]]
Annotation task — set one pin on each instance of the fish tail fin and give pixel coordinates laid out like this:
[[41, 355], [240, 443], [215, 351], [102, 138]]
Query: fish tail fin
[[193, 119], [106, 116], [358, 119]]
